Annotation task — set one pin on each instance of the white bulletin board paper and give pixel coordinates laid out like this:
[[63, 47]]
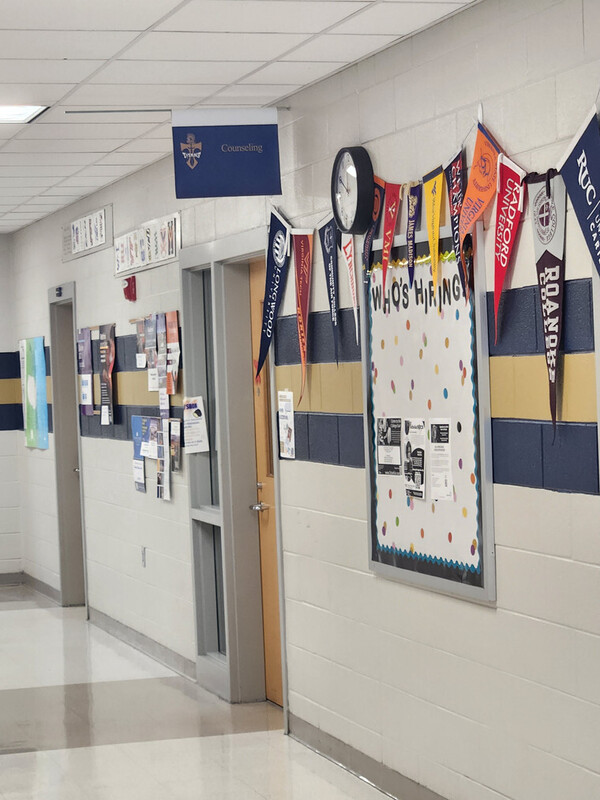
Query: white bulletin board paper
[[421, 371]]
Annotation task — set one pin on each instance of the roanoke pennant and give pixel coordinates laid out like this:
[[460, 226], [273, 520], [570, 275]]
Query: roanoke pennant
[[455, 178]]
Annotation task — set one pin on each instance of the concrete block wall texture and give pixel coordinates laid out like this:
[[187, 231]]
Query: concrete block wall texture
[[475, 703]]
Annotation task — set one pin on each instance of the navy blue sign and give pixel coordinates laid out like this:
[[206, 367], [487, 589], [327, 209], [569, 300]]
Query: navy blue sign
[[277, 266], [580, 169], [225, 160], [329, 245]]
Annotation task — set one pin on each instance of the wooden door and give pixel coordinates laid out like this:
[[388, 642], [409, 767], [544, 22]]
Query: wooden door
[[265, 494]]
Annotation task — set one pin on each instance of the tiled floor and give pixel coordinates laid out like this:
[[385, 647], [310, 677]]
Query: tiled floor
[[85, 717]]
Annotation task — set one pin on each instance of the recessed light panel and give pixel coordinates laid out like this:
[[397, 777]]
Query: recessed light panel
[[20, 114]]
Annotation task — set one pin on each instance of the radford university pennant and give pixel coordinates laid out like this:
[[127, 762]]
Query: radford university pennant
[[480, 189], [328, 239], [455, 178], [580, 169], [378, 200], [509, 207], [278, 256], [347, 248], [302, 242], [547, 204], [433, 189], [415, 190], [390, 215]]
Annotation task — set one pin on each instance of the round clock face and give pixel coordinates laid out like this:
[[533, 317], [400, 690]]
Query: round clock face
[[352, 189], [346, 190]]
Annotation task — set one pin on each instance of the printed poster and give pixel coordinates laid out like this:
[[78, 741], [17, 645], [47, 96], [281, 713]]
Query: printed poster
[[140, 334], [414, 457], [287, 440], [86, 372], [163, 464], [149, 444], [107, 360], [151, 352], [173, 351], [389, 446], [440, 459], [175, 442], [195, 432], [139, 475]]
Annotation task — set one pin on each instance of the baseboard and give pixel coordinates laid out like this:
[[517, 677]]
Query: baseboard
[[365, 767], [145, 644], [11, 578], [42, 588]]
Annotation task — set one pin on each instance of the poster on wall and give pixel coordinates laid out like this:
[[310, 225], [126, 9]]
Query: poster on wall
[[423, 425], [33, 389], [195, 431], [154, 243], [107, 360], [86, 372], [285, 413]]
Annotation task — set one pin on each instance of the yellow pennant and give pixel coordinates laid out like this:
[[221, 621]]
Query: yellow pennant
[[433, 191]]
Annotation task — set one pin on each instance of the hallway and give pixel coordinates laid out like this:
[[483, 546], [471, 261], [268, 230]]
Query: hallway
[[82, 715]]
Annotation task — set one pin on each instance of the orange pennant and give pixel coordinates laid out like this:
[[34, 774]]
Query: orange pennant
[[480, 189]]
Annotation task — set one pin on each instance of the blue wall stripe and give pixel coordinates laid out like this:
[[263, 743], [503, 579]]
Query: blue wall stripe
[[520, 328], [11, 417], [320, 348], [329, 438], [526, 453], [9, 365]]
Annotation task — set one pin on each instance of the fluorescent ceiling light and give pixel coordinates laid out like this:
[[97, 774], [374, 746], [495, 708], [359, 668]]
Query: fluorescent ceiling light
[[20, 114]]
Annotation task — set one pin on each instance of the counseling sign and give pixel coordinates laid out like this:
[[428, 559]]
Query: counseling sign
[[226, 152]]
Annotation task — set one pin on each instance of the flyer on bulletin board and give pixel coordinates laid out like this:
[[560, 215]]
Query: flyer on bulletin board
[[195, 432]]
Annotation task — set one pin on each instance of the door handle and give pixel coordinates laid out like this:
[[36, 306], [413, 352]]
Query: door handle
[[76, 469], [259, 506]]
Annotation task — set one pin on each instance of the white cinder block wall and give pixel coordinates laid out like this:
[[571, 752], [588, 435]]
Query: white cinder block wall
[[475, 703], [10, 536]]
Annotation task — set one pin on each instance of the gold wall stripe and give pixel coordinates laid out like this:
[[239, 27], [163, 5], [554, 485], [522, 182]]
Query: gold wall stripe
[[10, 391], [519, 388], [330, 388], [131, 389]]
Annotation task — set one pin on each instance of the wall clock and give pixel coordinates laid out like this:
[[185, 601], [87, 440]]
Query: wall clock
[[352, 189]]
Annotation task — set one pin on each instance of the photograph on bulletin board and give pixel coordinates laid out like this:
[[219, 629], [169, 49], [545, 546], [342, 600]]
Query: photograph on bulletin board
[[423, 425]]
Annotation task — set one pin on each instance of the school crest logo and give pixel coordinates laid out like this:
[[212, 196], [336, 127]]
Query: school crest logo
[[544, 216], [191, 150]]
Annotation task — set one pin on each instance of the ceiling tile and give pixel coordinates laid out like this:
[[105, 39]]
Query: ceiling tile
[[174, 72], [144, 96], [271, 16], [34, 94], [248, 93], [129, 158], [56, 171], [46, 159], [82, 130], [65, 113], [85, 183], [13, 192], [13, 70], [294, 72], [134, 15], [399, 19], [30, 184], [107, 171], [165, 46], [62, 145], [156, 146], [53, 200], [64, 191], [348, 48], [60, 44]]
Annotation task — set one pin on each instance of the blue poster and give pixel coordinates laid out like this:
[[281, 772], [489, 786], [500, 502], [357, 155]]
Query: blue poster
[[580, 169], [226, 152], [35, 402]]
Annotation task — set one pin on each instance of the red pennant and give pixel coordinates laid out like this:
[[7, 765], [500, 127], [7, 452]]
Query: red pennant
[[390, 215], [509, 207], [302, 242]]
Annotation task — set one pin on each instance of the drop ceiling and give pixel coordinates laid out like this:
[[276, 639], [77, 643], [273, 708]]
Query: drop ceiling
[[127, 63]]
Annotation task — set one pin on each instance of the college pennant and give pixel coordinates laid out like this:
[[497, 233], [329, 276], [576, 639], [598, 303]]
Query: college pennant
[[580, 169], [509, 207], [455, 178], [480, 189], [415, 191], [433, 189], [378, 201], [347, 248], [302, 243], [278, 256], [328, 238], [390, 215], [547, 202]]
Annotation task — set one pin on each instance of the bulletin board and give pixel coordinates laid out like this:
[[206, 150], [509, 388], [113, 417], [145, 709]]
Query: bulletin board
[[428, 431]]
